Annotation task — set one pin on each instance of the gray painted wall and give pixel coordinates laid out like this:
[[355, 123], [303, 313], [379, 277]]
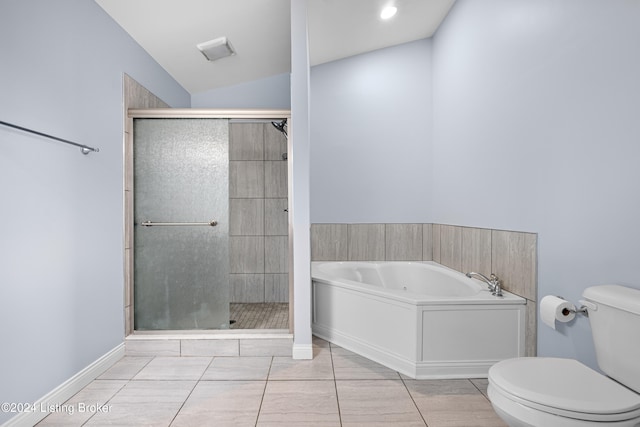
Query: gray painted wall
[[536, 129], [61, 250], [271, 92], [371, 137]]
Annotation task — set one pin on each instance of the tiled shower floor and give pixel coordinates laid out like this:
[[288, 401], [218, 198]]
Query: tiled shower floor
[[259, 315], [336, 388]]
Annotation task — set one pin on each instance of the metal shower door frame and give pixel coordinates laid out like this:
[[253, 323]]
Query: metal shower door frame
[[180, 113]]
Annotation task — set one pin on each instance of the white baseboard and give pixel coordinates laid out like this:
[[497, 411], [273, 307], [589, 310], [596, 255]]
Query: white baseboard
[[66, 390], [302, 351]]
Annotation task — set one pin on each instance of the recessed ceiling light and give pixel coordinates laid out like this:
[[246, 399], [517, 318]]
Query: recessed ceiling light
[[388, 12], [216, 48]]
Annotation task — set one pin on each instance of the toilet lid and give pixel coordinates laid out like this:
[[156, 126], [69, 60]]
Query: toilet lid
[[564, 384]]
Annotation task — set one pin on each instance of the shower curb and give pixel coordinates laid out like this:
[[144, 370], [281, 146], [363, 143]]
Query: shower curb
[[214, 344]]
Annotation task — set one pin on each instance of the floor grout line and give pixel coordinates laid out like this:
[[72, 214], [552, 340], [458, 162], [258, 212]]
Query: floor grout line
[[414, 401], [264, 391], [335, 385]]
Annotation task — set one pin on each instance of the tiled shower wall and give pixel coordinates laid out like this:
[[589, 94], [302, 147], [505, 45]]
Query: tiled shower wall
[[511, 255], [258, 227]]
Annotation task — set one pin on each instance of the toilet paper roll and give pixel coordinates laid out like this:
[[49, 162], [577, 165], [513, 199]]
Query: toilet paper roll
[[553, 308]]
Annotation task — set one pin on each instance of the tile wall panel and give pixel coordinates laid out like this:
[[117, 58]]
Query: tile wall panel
[[128, 225], [128, 277], [246, 254], [329, 242], [246, 217], [246, 179], [128, 320], [247, 287], [476, 250], [513, 259], [128, 161], [403, 242], [366, 242], [276, 287], [276, 217], [451, 246], [275, 143], [275, 179], [427, 242], [137, 96], [276, 259], [435, 236], [246, 141], [531, 342]]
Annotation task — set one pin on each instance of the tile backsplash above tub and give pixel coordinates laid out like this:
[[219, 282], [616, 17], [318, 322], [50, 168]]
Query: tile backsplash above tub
[[370, 242], [512, 255]]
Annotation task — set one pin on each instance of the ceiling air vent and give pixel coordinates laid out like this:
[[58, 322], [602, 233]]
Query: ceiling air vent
[[216, 49]]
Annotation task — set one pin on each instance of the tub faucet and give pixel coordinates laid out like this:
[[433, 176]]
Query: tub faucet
[[492, 281]]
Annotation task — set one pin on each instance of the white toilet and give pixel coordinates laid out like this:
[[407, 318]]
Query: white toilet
[[553, 392]]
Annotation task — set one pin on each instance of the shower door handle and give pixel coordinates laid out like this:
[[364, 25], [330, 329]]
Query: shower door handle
[[212, 223]]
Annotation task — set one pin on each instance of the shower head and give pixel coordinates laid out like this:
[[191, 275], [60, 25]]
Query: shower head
[[281, 126]]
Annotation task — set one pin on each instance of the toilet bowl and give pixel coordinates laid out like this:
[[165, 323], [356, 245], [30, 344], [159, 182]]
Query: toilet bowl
[[553, 392]]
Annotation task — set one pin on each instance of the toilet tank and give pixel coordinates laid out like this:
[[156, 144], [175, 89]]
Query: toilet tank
[[615, 325]]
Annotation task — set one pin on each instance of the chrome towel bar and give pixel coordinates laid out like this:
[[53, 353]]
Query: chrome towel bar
[[212, 223], [85, 149]]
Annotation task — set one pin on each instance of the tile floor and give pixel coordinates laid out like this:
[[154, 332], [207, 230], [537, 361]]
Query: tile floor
[[336, 388], [269, 315]]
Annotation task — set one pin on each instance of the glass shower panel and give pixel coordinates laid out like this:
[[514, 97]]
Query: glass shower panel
[[181, 263]]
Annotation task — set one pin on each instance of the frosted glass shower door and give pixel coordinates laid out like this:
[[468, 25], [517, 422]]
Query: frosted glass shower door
[[181, 262]]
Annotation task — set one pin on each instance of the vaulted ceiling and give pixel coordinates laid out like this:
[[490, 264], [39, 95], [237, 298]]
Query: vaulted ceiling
[[259, 31]]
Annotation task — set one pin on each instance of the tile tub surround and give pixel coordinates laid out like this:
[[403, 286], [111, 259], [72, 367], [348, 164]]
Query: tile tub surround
[[336, 388], [512, 255]]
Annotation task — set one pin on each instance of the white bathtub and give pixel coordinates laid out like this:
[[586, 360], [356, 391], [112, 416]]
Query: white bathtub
[[419, 318]]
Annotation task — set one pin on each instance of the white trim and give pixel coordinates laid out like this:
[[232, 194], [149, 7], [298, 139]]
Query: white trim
[[302, 351], [299, 200], [219, 334], [208, 113], [66, 390]]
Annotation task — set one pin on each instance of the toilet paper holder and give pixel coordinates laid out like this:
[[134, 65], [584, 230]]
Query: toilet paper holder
[[584, 309]]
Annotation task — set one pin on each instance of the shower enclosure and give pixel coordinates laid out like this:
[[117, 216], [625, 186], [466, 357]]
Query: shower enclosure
[[210, 221], [181, 226]]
